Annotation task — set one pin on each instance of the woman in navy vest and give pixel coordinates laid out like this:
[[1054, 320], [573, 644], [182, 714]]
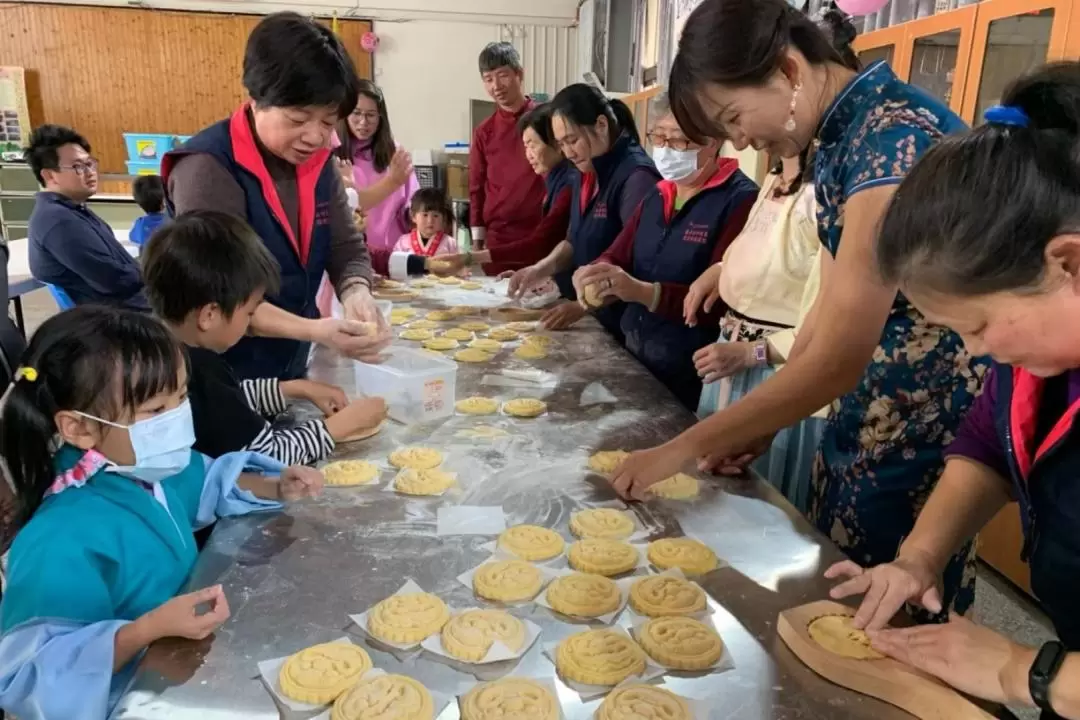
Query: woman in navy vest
[[599, 136], [1009, 282], [684, 225], [270, 164]]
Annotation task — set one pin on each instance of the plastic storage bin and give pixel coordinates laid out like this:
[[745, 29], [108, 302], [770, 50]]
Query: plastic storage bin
[[144, 167], [418, 386], [141, 146]]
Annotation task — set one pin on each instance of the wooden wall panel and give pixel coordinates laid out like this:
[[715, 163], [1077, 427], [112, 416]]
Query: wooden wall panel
[[106, 71]]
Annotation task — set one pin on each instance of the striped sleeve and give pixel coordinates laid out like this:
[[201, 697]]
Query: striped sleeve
[[264, 396], [300, 445]]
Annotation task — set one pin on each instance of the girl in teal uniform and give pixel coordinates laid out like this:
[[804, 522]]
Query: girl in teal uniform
[[97, 434]]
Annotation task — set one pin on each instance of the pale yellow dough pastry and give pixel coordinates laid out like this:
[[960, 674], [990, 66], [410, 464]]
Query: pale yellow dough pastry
[[520, 326], [398, 319], [385, 697], [680, 642], [525, 407], [399, 295], [423, 325], [440, 315], [486, 344], [469, 635], [690, 556], [643, 702], [676, 487], [441, 343], [583, 595], [423, 482], [475, 326], [350, 472], [423, 283], [389, 284], [542, 341], [407, 618], [606, 462], [836, 634], [449, 280], [472, 355], [603, 557], [599, 657], [471, 285], [458, 334], [507, 581], [415, 333], [503, 334], [664, 595], [463, 310], [592, 296], [531, 542], [403, 312], [530, 352], [510, 699], [477, 406], [318, 674], [418, 458], [606, 523]]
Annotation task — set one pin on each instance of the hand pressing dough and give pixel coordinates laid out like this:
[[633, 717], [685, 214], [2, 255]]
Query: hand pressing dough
[[592, 296], [664, 595], [423, 482], [407, 618], [607, 523], [475, 326], [690, 556], [525, 407], [471, 285], [510, 699], [677, 487], [415, 333], [643, 702], [503, 334], [385, 697], [486, 344], [423, 325], [417, 458], [835, 634], [469, 635], [318, 674], [531, 542], [440, 315], [472, 355], [350, 472], [441, 343], [599, 657], [530, 352], [583, 595], [680, 643], [507, 581], [606, 462], [477, 406], [603, 557]]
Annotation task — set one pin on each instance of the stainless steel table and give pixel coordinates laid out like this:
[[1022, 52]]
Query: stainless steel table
[[292, 578]]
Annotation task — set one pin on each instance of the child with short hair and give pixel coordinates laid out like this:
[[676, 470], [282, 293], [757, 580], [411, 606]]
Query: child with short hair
[[97, 435], [431, 216], [206, 273], [149, 193]]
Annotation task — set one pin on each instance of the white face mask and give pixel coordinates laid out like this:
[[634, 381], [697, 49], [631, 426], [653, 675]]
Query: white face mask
[[162, 444], [675, 165]]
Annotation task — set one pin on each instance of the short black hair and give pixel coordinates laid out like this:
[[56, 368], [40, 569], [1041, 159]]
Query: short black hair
[[499, 55], [43, 151], [206, 257], [429, 199], [293, 61], [149, 193], [539, 121]]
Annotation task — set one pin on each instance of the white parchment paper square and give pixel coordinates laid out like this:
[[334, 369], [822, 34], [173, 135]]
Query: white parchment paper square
[[470, 520], [361, 620], [498, 651]]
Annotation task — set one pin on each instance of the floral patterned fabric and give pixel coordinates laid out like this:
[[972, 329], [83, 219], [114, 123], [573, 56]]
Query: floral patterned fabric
[[882, 449]]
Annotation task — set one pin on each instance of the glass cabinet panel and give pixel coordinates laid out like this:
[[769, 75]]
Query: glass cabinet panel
[[933, 63], [1014, 45], [872, 55]]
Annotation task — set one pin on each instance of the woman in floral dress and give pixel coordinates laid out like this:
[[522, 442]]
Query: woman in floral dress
[[762, 74]]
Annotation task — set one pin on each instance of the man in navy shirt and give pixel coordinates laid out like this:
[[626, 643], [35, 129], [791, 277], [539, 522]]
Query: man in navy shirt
[[69, 246]]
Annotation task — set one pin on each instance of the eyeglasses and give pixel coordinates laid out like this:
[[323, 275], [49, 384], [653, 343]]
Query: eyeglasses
[[366, 116], [82, 168], [662, 141]]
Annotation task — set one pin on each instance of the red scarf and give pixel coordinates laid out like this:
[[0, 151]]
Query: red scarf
[[432, 247]]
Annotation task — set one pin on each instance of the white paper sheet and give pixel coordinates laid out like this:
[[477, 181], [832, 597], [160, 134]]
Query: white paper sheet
[[595, 394]]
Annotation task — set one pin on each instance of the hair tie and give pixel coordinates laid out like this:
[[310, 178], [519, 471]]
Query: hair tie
[[28, 374], [1007, 115]]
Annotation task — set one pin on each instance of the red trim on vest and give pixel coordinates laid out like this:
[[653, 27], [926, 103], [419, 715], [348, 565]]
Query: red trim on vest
[[432, 246], [246, 152], [725, 168], [1024, 419], [589, 188]]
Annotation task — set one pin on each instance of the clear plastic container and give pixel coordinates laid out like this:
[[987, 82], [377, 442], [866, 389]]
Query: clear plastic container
[[418, 386]]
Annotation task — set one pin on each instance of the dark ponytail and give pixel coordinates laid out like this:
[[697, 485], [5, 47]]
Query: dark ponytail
[[582, 105], [975, 214], [92, 359]]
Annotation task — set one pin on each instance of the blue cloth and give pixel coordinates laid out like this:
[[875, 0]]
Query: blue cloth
[[145, 226], [555, 181], [93, 558], [71, 247], [882, 449]]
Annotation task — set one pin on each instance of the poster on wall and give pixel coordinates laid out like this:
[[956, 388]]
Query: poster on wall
[[14, 115]]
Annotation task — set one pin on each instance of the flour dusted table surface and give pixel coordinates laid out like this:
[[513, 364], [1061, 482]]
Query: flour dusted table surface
[[293, 578]]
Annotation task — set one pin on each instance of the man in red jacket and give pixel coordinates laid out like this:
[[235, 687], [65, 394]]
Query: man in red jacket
[[506, 196]]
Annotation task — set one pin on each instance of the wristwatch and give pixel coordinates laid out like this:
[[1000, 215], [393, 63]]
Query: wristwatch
[[1042, 672]]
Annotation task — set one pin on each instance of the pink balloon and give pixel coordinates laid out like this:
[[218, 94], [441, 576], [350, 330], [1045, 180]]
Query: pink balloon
[[861, 7]]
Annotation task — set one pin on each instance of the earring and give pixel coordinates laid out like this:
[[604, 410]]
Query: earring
[[790, 124]]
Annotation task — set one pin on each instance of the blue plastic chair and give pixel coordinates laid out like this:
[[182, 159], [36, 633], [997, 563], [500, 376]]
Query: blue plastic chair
[[63, 300]]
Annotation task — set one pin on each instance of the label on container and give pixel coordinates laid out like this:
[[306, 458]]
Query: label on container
[[433, 396]]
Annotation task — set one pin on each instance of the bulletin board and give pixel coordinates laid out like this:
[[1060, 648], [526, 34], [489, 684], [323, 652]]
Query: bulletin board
[[14, 113]]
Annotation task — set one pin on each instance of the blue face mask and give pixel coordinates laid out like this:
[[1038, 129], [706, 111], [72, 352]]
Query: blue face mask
[[162, 444]]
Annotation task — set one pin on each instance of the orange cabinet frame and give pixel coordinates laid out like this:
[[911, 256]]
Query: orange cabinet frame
[[962, 19], [892, 36]]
